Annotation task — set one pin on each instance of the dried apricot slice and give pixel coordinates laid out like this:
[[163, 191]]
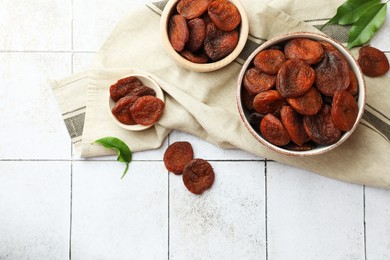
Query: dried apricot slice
[[177, 155], [353, 87], [196, 58], [268, 101], [219, 44], [321, 128], [197, 31], [294, 78], [307, 104], [121, 110], [269, 60], [344, 110], [142, 91], [332, 73], [256, 81], [147, 110], [372, 61], [307, 50], [300, 148], [198, 176], [178, 32], [273, 131], [192, 9], [123, 87], [293, 123], [224, 14]]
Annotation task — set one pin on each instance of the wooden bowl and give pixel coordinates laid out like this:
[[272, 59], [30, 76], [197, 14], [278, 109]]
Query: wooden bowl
[[170, 8], [244, 113], [146, 80]]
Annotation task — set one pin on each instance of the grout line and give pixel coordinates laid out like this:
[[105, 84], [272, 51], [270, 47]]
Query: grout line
[[266, 208], [364, 223]]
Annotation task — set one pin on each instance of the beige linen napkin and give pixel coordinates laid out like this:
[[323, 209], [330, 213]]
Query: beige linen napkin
[[204, 104]]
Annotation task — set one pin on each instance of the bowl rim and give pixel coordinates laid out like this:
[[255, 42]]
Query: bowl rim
[[147, 80], [203, 67], [353, 65]]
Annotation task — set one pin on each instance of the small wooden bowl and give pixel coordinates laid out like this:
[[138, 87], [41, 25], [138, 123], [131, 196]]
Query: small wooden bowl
[[146, 80], [318, 37], [170, 8]]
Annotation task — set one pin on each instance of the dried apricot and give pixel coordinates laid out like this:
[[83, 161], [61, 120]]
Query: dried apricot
[[196, 58], [307, 104], [344, 110], [147, 110], [224, 14], [353, 86], [269, 60], [293, 123], [197, 31], [300, 148], [273, 130], [192, 9], [294, 78], [218, 44], [123, 87], [142, 91], [321, 128], [121, 110], [177, 155], [307, 50], [268, 101], [372, 61], [178, 32], [256, 81], [332, 73], [198, 176]]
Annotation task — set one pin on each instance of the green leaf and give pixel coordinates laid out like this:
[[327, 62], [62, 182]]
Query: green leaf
[[364, 28], [123, 151], [350, 11]]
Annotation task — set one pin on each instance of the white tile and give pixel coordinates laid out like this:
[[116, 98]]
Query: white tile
[[206, 150], [31, 125], [225, 222], [312, 217], [119, 219], [34, 210], [31, 25], [378, 223], [94, 20]]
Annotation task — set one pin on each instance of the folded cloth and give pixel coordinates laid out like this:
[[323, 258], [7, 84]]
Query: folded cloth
[[204, 104]]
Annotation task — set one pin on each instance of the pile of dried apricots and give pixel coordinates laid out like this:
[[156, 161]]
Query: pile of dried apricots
[[135, 103], [301, 93], [204, 31]]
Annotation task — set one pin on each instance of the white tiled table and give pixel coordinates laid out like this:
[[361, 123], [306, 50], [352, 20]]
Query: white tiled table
[[56, 206]]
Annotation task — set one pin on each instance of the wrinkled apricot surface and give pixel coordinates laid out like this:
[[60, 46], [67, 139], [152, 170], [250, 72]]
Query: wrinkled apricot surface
[[178, 32], [224, 14], [123, 87], [218, 44], [269, 60], [269, 101], [198, 176], [197, 31], [147, 110], [121, 110], [344, 110], [307, 50], [196, 58], [273, 130], [307, 104], [353, 86], [256, 81], [293, 123], [294, 78], [321, 128], [177, 155], [192, 8], [372, 61]]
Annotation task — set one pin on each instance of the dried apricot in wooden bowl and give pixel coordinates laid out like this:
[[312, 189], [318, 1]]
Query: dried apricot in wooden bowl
[[204, 35], [124, 94], [316, 101]]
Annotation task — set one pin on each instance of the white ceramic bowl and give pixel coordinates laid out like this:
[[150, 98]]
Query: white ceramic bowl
[[170, 8], [146, 80], [283, 38]]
